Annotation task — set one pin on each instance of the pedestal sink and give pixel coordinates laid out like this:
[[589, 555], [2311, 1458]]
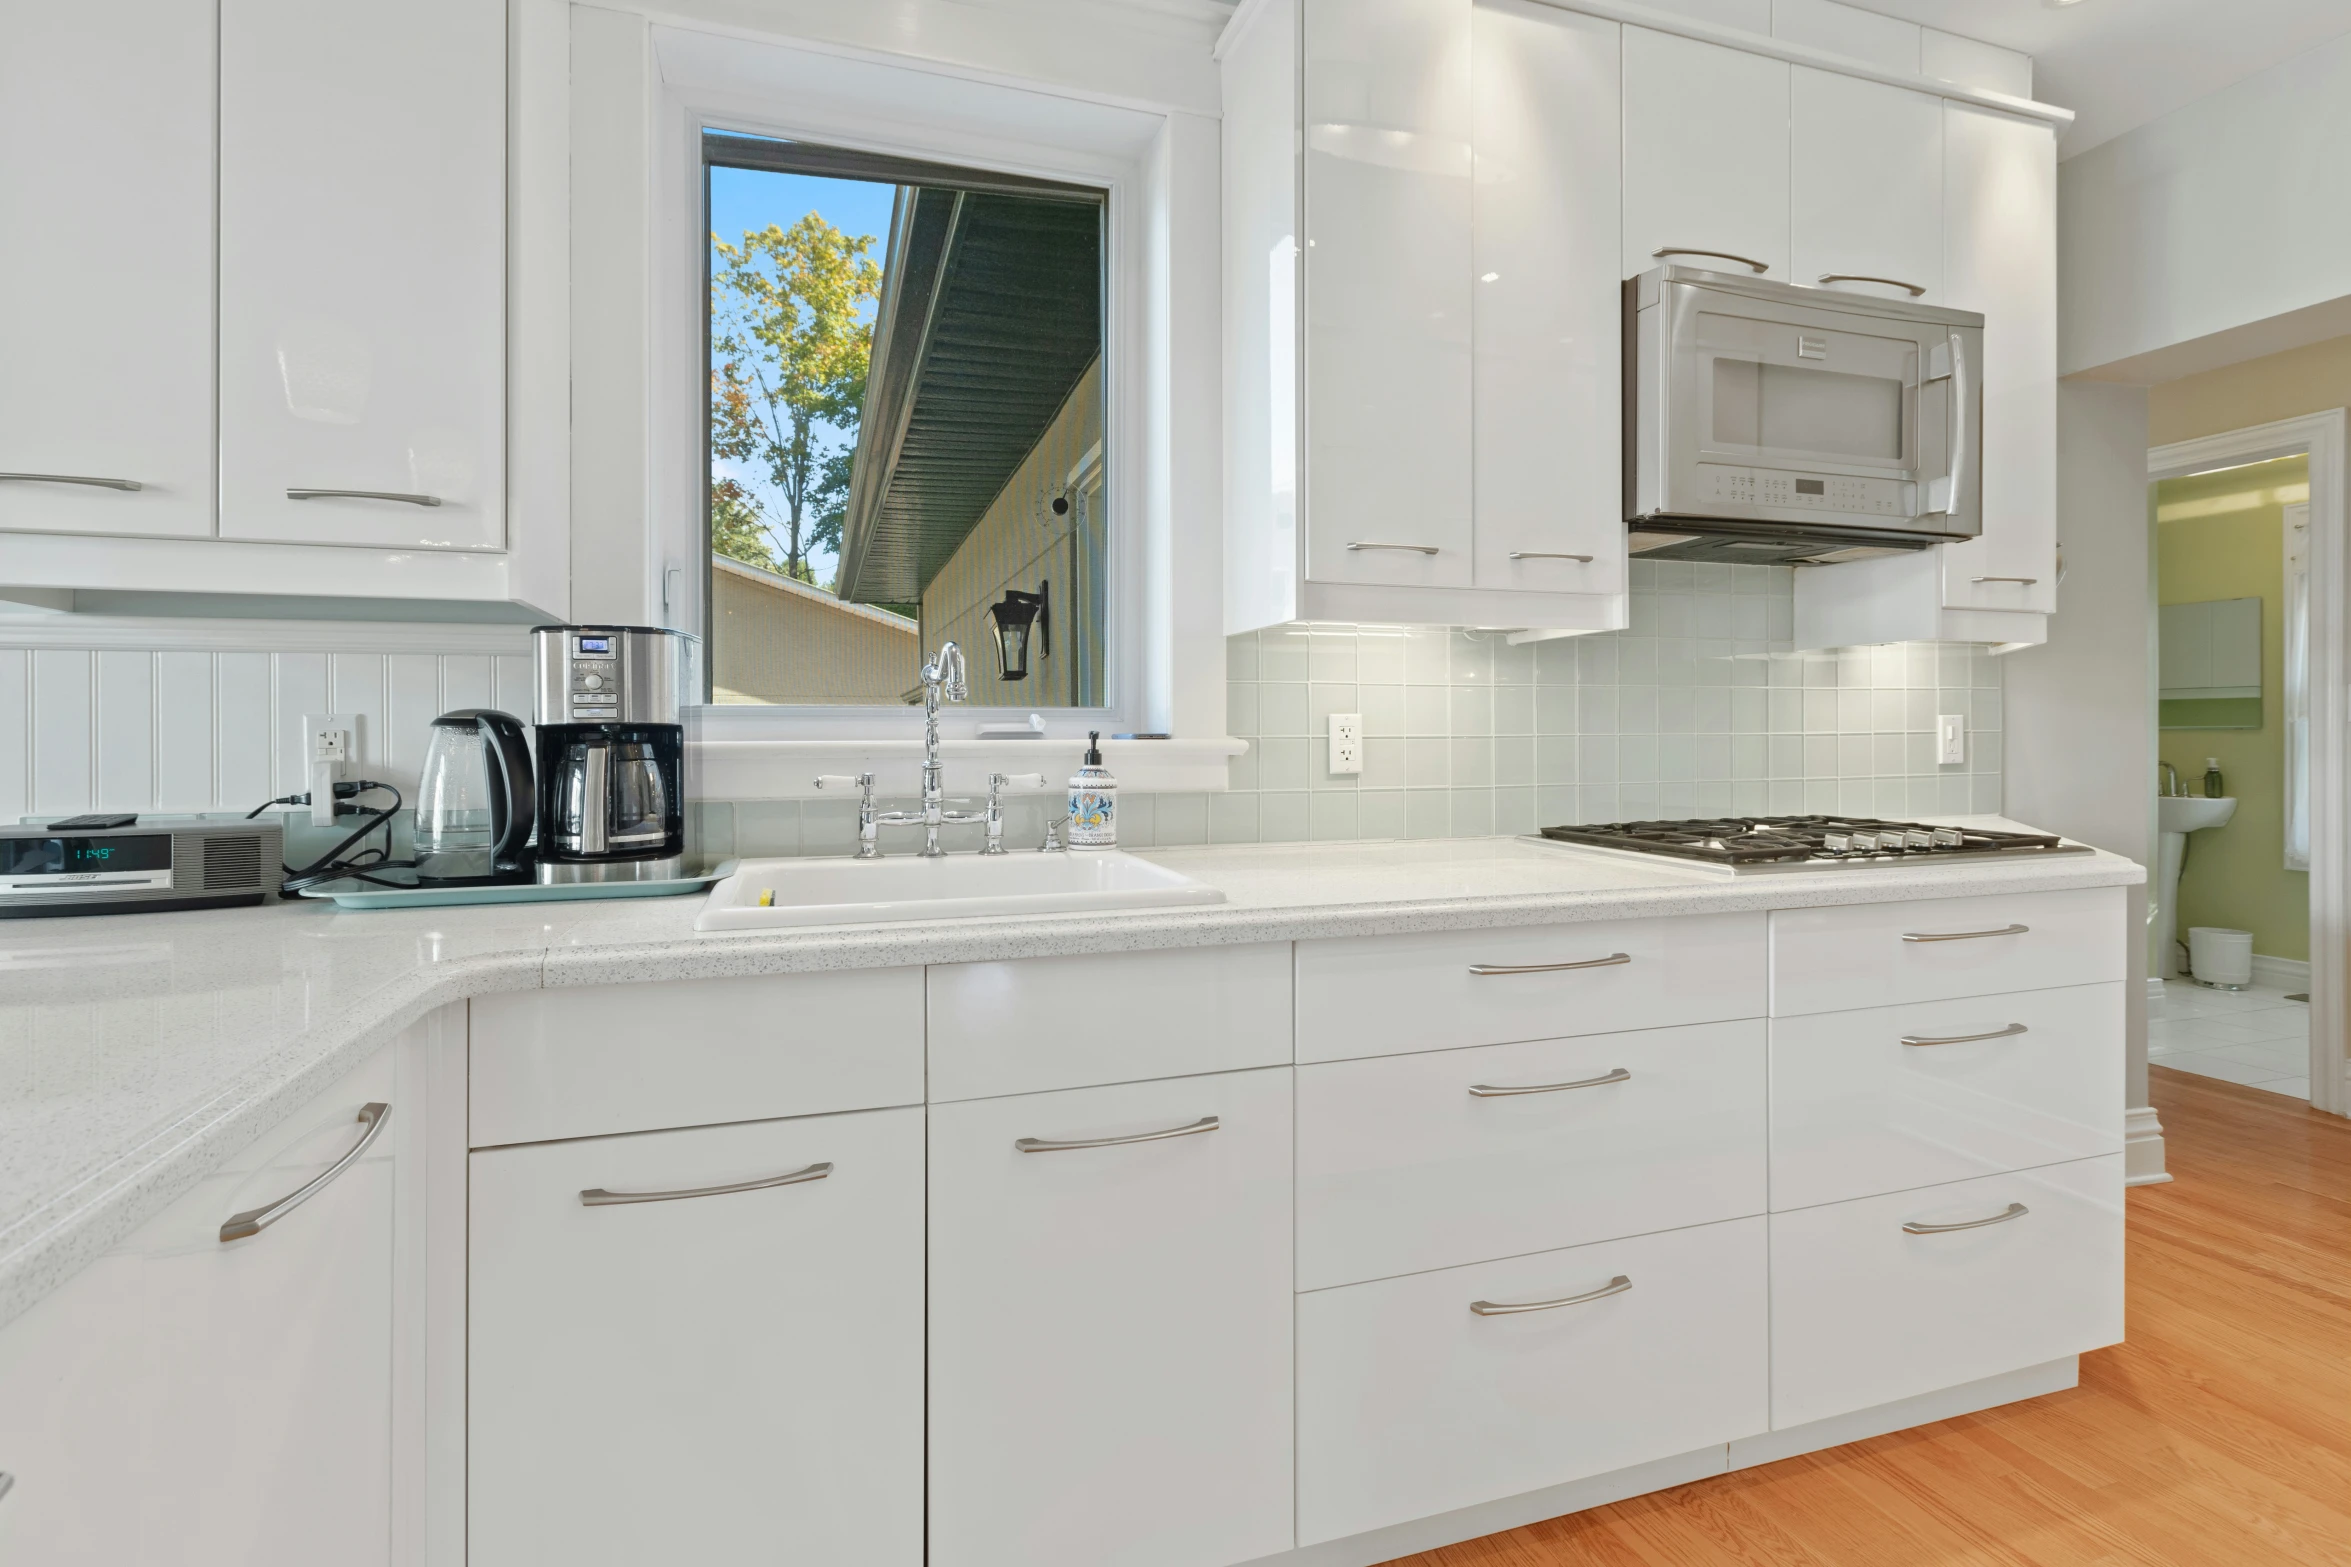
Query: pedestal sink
[[2176, 816]]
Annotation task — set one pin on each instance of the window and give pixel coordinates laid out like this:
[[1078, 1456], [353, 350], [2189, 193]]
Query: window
[[906, 434]]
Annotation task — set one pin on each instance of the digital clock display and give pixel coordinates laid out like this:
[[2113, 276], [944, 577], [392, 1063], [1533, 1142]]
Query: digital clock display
[[85, 856]]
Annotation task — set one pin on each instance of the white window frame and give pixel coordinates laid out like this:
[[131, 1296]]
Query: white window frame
[[895, 107]]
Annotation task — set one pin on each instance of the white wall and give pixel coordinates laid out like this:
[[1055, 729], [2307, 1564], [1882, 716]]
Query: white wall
[[2079, 725], [2218, 215]]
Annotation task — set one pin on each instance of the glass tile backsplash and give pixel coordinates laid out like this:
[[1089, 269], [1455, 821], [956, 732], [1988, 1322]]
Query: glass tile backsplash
[[1699, 707]]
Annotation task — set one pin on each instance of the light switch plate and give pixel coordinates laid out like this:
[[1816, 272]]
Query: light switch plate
[[1346, 743], [1950, 739]]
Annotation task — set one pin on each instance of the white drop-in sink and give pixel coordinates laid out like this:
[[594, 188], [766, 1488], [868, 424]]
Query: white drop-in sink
[[958, 886], [2192, 812]]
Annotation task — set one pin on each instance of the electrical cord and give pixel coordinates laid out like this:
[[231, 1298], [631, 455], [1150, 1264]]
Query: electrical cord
[[332, 866]]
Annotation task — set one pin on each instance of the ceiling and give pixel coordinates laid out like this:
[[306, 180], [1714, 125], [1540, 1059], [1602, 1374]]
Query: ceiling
[[2120, 63]]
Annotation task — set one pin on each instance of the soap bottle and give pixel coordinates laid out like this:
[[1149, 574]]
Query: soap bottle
[[2212, 789], [1093, 801]]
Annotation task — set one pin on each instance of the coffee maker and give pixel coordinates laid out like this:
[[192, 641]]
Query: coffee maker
[[611, 776]]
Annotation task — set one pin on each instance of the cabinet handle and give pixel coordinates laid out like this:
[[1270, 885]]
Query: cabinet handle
[[1490, 1091], [1511, 1308], [2027, 581], [1966, 1039], [1417, 549], [7, 1484], [2015, 1210], [1719, 255], [1207, 1123], [254, 1220], [1548, 555], [1827, 278], [362, 495], [1610, 961], [70, 478], [598, 1197], [1963, 935]]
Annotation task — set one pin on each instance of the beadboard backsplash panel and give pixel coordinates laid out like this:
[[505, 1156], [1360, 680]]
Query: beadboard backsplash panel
[[202, 729]]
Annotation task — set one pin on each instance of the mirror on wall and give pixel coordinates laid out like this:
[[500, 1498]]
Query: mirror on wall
[[2209, 655]]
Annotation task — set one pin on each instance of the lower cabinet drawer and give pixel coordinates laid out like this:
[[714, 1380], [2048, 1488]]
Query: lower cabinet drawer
[[1865, 1310], [1890, 1098], [1411, 1403], [1407, 1163]]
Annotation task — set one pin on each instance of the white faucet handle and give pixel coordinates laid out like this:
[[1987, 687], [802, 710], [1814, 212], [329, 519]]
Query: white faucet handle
[[1024, 780], [844, 781]]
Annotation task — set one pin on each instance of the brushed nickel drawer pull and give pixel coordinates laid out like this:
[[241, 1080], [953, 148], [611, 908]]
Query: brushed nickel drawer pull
[[1610, 961], [1965, 1039], [1418, 549], [1491, 1091], [598, 1197], [1826, 278], [1963, 935], [362, 495], [2024, 581], [2015, 1210], [1748, 262], [1511, 1308], [1207, 1123], [71, 478], [254, 1220], [1548, 555]]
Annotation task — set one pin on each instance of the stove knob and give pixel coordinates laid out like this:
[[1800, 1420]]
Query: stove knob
[[1918, 838], [1836, 842], [1950, 838]]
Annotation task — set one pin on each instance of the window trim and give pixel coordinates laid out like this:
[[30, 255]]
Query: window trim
[[898, 110]]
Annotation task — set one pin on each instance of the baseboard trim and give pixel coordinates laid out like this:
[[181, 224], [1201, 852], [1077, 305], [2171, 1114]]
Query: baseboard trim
[[2154, 987], [2285, 973], [1512, 1512], [2142, 1148]]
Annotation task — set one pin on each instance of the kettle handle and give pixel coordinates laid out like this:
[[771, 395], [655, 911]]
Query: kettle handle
[[513, 806]]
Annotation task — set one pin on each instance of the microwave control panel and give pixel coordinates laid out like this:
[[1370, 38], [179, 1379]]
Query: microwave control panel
[[1805, 492]]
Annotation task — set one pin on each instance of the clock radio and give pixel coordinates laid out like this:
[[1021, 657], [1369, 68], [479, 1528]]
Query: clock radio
[[120, 864]]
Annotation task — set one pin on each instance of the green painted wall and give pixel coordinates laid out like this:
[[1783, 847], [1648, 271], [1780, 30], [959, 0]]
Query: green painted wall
[[2221, 536]]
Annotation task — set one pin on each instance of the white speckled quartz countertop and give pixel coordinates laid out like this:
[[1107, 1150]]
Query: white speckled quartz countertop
[[139, 1052]]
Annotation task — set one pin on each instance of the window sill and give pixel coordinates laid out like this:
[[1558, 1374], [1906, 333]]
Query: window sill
[[787, 769]]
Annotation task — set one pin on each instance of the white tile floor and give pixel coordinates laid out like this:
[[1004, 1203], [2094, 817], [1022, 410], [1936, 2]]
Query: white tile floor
[[2255, 1037]]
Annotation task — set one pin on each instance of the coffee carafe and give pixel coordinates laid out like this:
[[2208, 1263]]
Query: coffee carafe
[[611, 751]]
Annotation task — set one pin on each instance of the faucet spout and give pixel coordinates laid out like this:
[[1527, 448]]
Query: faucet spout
[[2171, 777]]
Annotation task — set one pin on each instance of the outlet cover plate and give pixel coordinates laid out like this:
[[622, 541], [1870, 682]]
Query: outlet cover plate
[[1950, 739], [1346, 743]]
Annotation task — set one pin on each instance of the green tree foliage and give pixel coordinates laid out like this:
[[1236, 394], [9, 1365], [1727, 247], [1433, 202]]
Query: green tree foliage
[[789, 330], [738, 527]]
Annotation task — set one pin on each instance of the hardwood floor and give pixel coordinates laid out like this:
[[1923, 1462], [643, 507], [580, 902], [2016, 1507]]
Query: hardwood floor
[[2219, 1435]]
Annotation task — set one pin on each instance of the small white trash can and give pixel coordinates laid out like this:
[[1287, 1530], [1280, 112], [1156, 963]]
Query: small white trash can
[[2220, 958]]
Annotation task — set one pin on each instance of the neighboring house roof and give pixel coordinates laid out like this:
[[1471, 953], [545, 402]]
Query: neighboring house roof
[[768, 579], [990, 313]]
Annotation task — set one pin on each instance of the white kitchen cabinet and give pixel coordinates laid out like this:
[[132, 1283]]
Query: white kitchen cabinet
[[362, 268], [1853, 955], [1705, 157], [1387, 330], [1412, 1403], [1546, 234], [1865, 186], [1884, 1298], [711, 1377], [106, 276], [190, 1402], [1110, 1368], [2000, 257]]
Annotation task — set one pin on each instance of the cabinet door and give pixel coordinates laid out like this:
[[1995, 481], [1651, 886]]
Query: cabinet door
[[185, 1402], [711, 1377], [1866, 184], [1110, 1326], [1705, 155], [106, 184], [1388, 292], [1547, 234], [362, 265], [2000, 257]]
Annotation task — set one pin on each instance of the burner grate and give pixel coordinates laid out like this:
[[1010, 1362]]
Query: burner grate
[[1759, 841]]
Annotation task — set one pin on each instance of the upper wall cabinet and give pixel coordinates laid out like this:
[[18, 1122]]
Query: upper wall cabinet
[[1865, 209], [362, 237], [1421, 398], [106, 114], [1705, 156]]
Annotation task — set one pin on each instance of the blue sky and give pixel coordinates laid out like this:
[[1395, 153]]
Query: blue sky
[[751, 199]]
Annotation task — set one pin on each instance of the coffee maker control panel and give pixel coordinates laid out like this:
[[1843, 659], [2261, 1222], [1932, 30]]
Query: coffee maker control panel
[[607, 675], [595, 679]]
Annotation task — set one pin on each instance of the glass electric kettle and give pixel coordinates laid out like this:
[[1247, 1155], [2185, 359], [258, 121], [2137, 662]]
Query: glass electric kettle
[[475, 804]]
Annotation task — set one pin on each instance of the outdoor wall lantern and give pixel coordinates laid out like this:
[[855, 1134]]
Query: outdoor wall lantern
[[1015, 615]]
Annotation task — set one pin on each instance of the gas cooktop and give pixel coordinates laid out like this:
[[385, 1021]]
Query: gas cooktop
[[1747, 844]]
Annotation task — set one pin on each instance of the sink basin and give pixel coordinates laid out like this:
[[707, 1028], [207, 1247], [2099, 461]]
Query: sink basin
[[2191, 813], [960, 886]]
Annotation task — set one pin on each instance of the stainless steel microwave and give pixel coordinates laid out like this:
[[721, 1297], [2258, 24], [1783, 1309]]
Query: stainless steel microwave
[[1768, 422]]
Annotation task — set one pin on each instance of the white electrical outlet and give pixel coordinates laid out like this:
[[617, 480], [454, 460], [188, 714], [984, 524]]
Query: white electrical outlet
[[1950, 739], [330, 745], [1346, 743]]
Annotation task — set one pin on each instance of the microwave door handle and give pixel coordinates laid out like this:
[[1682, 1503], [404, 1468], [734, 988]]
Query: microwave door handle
[[1943, 495]]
